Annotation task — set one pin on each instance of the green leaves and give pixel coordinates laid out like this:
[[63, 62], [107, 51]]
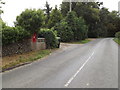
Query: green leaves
[[117, 35], [13, 34], [50, 37], [55, 17], [64, 31], [31, 20], [72, 28], [1, 3]]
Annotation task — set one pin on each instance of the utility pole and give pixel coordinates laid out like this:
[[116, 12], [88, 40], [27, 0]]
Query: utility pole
[[70, 6]]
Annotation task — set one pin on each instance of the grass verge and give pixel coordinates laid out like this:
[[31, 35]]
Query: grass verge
[[81, 41], [117, 40], [16, 60]]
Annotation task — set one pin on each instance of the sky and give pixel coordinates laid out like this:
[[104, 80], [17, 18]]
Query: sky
[[13, 8]]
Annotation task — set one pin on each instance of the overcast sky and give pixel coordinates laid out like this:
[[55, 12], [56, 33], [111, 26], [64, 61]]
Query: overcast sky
[[13, 8]]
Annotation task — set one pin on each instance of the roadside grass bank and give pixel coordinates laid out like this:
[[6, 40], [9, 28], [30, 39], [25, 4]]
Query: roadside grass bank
[[13, 61], [22, 59], [81, 41], [117, 40]]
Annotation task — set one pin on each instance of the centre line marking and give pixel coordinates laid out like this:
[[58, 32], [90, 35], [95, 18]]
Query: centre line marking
[[71, 79]]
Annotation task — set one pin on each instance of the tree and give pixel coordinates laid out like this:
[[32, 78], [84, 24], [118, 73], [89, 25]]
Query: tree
[[77, 25], [81, 30], [71, 21], [64, 31], [113, 23], [55, 17], [72, 28], [1, 3], [88, 10], [31, 20], [47, 12], [2, 24]]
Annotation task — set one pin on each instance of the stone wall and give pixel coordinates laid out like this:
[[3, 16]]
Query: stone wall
[[24, 46], [39, 45]]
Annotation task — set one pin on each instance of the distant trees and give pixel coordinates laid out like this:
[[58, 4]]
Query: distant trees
[[64, 31], [71, 28], [77, 25], [31, 20], [113, 23], [89, 11], [47, 11], [55, 17], [81, 30], [1, 3], [100, 22]]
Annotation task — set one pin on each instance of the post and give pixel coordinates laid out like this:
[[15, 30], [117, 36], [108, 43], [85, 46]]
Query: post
[[70, 6]]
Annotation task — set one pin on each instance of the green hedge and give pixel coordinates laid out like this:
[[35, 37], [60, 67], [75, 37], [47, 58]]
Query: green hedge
[[50, 36], [64, 31], [71, 28], [13, 34], [117, 35]]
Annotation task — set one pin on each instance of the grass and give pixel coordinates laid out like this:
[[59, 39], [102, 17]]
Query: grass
[[117, 40], [81, 42], [10, 61]]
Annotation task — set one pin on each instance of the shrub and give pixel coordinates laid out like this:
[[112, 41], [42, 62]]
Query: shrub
[[31, 20], [55, 17], [117, 35], [13, 34], [80, 29], [72, 28], [64, 31], [50, 36]]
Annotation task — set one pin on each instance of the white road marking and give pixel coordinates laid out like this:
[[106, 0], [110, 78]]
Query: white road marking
[[71, 79]]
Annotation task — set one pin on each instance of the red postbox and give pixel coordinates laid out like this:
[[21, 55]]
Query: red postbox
[[34, 37]]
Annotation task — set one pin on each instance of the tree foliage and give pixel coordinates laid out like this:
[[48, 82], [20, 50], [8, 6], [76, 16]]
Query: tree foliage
[[13, 34], [1, 3], [117, 35], [47, 11], [55, 17], [71, 28], [101, 22], [77, 25], [31, 20], [81, 30], [50, 37], [64, 31]]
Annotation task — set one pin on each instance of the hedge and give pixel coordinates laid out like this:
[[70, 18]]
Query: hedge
[[50, 37], [117, 35], [13, 34], [64, 31]]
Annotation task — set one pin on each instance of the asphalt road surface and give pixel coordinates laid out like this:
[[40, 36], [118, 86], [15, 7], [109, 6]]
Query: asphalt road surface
[[92, 65]]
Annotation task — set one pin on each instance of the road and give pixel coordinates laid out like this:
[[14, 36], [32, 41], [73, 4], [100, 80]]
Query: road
[[92, 65]]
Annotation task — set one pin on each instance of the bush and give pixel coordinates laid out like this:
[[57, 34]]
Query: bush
[[31, 20], [64, 31], [55, 17], [80, 29], [13, 34], [50, 37], [72, 28], [117, 35]]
